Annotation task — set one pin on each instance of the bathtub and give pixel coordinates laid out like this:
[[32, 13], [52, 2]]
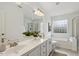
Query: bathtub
[[67, 43]]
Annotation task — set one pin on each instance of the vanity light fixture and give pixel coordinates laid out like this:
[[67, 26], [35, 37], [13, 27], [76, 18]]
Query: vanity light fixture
[[38, 12]]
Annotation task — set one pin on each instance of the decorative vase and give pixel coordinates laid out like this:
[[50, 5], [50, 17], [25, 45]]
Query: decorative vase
[[2, 47]]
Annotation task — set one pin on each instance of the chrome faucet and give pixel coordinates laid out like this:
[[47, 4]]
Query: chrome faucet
[[3, 37]]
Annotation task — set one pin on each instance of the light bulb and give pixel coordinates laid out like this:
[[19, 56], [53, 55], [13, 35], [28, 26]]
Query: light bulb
[[38, 12]]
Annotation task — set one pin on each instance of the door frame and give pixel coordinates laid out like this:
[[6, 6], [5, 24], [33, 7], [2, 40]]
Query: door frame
[[74, 34]]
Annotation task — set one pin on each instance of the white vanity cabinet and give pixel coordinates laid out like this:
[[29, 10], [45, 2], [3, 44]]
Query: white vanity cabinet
[[43, 49]]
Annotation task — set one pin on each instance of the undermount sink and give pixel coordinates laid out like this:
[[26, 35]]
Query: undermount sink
[[4, 47], [14, 50]]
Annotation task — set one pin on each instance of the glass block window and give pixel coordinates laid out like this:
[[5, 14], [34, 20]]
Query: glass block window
[[60, 26]]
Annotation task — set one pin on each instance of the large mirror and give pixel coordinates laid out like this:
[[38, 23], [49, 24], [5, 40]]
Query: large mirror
[[32, 22], [33, 25]]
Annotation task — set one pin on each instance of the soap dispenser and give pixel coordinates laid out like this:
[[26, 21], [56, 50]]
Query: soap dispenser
[[2, 45]]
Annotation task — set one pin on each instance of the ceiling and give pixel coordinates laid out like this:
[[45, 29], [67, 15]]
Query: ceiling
[[49, 8], [52, 9]]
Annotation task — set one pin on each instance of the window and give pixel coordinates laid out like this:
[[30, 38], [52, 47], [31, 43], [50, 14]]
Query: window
[[60, 26]]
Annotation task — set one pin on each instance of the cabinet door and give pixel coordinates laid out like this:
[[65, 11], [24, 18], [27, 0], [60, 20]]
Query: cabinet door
[[75, 33], [35, 52], [43, 49], [49, 46]]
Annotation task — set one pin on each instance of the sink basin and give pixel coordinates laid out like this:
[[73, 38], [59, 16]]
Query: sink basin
[[13, 51]]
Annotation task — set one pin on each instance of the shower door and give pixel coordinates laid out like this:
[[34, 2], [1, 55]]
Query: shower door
[[75, 28], [77, 32]]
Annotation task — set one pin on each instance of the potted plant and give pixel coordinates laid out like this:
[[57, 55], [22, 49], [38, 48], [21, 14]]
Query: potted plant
[[29, 34]]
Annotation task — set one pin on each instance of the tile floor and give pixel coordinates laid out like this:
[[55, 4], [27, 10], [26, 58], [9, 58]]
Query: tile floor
[[64, 52]]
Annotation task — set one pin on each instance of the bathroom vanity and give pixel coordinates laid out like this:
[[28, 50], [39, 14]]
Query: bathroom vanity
[[30, 47], [13, 24]]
